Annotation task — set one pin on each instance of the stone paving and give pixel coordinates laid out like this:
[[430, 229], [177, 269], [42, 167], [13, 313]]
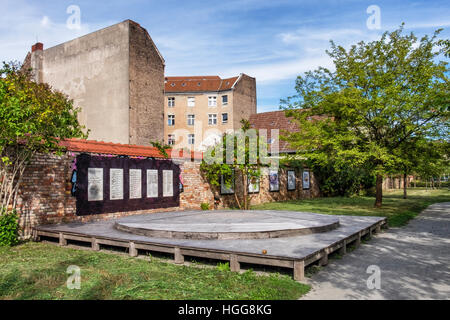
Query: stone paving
[[414, 263]]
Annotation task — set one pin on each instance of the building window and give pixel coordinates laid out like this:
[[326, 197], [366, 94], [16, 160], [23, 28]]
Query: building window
[[224, 117], [191, 139], [224, 100], [171, 101], [212, 119], [190, 119], [191, 101], [171, 120], [171, 140], [212, 101]]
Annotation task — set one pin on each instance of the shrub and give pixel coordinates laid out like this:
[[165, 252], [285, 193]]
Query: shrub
[[204, 206], [9, 228]]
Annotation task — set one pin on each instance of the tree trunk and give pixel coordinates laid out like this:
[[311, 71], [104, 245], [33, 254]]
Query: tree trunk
[[405, 185], [379, 191], [245, 178]]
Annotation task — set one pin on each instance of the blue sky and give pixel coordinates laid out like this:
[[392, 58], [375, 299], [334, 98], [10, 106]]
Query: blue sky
[[273, 41]]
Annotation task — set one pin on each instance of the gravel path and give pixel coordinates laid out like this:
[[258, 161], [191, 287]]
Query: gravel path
[[414, 263]]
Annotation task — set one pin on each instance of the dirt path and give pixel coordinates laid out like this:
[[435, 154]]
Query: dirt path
[[414, 263]]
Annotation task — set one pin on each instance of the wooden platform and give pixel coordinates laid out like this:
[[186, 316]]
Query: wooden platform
[[295, 258]]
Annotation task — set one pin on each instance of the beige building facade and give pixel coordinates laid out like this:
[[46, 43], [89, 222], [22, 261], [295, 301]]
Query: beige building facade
[[199, 109]]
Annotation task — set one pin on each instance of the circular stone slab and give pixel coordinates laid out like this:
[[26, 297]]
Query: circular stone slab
[[227, 224]]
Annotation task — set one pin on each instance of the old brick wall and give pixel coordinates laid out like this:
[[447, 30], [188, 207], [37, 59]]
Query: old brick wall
[[45, 196], [146, 72], [264, 195]]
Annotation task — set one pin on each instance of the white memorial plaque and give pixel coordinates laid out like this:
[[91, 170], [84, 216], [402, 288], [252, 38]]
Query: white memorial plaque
[[135, 183], [115, 184], [95, 184], [167, 183], [152, 183]]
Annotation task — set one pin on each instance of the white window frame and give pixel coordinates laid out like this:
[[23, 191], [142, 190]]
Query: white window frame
[[191, 117], [212, 101], [223, 122], [191, 101], [171, 102], [225, 103], [191, 139], [211, 117], [169, 118], [171, 138]]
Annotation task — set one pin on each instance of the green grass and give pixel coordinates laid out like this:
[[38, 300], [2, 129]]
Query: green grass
[[397, 210], [38, 271]]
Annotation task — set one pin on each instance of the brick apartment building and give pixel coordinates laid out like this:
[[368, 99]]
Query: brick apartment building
[[199, 109], [116, 76]]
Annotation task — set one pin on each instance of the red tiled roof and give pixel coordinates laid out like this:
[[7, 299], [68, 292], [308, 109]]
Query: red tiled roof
[[93, 146], [198, 84], [275, 120]]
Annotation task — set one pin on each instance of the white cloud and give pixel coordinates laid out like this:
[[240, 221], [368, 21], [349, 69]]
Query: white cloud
[[321, 35], [286, 69], [45, 21]]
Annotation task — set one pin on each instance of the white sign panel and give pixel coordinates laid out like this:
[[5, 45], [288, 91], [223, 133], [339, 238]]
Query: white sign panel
[[95, 184], [135, 183], [253, 185], [291, 180], [167, 183], [152, 183], [116, 184]]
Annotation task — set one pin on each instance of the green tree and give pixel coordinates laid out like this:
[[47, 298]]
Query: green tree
[[432, 160], [236, 155], [380, 96], [33, 119]]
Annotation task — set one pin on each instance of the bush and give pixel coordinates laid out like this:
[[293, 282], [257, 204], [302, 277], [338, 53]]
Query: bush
[[223, 267], [204, 206], [423, 184], [343, 180], [9, 228]]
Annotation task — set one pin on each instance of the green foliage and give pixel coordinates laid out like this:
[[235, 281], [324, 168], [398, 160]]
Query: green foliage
[[204, 206], [33, 119], [381, 96], [342, 179], [427, 184], [33, 114], [9, 228], [223, 267], [244, 157], [38, 271], [162, 148], [445, 44]]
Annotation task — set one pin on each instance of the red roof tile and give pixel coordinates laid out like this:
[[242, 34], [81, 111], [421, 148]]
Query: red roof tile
[[93, 146], [275, 120], [198, 84]]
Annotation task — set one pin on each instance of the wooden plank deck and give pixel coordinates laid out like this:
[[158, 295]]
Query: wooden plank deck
[[234, 257]]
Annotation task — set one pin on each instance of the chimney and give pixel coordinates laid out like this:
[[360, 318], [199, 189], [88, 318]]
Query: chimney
[[37, 46], [37, 58]]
